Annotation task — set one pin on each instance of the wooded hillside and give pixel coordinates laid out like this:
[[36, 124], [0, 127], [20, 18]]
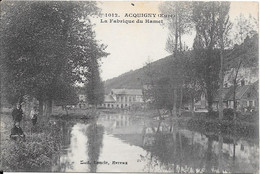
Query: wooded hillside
[[135, 79]]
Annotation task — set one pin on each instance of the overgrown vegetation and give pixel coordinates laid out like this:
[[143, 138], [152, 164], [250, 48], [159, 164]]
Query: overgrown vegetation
[[207, 126], [36, 153]]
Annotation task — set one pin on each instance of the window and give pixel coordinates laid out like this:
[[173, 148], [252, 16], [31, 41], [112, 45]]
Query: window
[[242, 147], [244, 103], [248, 95], [108, 105], [238, 103], [125, 98]]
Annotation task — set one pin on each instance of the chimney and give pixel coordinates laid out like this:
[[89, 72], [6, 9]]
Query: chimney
[[242, 82]]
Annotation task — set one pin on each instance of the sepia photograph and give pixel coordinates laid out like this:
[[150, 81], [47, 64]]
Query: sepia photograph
[[129, 86]]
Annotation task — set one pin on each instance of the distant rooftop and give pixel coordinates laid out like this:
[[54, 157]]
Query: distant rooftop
[[109, 99], [127, 91], [240, 91], [227, 93]]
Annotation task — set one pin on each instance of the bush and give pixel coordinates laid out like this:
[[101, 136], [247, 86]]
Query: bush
[[34, 154], [228, 114], [249, 116], [213, 115]]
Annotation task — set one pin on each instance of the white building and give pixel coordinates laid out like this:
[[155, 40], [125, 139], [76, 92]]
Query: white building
[[123, 98]]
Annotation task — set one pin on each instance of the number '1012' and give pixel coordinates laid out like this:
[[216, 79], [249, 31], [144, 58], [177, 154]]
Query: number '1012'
[[111, 15]]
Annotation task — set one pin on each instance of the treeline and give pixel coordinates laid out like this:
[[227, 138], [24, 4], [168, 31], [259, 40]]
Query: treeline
[[219, 45], [46, 48]]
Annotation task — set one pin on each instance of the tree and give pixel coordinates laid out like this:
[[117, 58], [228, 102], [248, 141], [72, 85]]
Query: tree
[[243, 27], [94, 144], [179, 25], [158, 90], [150, 77], [47, 44], [208, 18], [245, 50], [94, 86], [162, 95], [223, 29], [193, 83], [242, 56]]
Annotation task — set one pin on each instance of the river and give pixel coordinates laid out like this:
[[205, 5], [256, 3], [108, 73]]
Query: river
[[123, 143]]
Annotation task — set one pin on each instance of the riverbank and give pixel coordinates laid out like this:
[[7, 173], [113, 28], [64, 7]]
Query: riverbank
[[42, 143], [244, 129], [200, 122], [76, 114], [36, 153]]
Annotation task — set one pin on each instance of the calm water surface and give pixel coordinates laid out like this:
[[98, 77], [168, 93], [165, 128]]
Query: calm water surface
[[121, 143]]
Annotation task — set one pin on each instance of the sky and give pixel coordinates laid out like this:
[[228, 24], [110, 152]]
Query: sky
[[131, 45]]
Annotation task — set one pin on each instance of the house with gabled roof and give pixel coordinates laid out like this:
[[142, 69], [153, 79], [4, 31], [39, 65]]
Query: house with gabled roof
[[246, 98], [109, 102]]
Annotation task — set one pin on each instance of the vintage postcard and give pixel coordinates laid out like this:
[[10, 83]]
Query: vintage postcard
[[129, 86]]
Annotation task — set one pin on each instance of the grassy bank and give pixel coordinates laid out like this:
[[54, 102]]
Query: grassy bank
[[36, 153], [238, 128], [42, 144]]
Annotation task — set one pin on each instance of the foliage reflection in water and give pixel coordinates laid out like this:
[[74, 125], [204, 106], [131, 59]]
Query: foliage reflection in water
[[121, 143]]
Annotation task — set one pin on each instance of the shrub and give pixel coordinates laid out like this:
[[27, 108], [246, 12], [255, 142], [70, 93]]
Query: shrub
[[249, 116], [34, 154], [213, 115], [228, 114]]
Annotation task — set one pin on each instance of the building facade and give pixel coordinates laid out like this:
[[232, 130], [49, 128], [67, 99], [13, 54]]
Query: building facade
[[123, 98]]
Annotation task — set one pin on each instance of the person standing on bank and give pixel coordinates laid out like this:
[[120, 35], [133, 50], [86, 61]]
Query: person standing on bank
[[33, 115], [17, 114]]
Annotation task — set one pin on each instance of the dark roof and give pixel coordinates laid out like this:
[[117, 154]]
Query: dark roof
[[240, 91], [127, 91], [229, 92], [109, 99]]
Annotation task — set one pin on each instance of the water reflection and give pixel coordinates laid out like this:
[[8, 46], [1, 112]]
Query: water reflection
[[151, 146], [95, 142]]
